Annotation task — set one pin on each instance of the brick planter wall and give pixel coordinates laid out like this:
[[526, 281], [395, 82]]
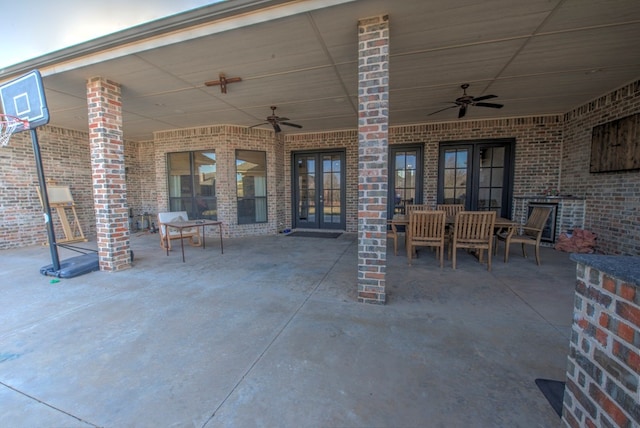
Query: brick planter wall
[[603, 369]]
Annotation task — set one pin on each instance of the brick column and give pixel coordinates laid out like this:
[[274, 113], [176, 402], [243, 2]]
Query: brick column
[[108, 174], [373, 120]]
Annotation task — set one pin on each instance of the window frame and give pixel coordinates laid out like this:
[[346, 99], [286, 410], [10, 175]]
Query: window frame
[[191, 203], [242, 202]]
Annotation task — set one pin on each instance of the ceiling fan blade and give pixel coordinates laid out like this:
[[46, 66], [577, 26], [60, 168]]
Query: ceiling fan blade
[[276, 127], [462, 112], [443, 109], [291, 124], [484, 97], [259, 124], [492, 105]]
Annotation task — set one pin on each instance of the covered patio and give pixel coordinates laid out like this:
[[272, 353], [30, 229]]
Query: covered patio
[[279, 341]]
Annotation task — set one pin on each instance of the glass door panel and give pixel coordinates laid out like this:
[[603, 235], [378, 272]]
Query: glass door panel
[[477, 175], [332, 189], [306, 197], [455, 176], [320, 193], [405, 178]]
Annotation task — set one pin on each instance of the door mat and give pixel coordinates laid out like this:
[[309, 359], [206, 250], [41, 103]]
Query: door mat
[[316, 234], [553, 391]]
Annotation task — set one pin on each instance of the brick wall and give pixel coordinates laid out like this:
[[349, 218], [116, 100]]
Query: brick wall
[[603, 367], [544, 145], [339, 140], [141, 177], [66, 161], [537, 150], [612, 198], [224, 140]]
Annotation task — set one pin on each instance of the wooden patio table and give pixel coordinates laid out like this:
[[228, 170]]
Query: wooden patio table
[[181, 225]]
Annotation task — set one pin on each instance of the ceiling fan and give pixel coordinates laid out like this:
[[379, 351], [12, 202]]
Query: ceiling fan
[[465, 101], [276, 121]]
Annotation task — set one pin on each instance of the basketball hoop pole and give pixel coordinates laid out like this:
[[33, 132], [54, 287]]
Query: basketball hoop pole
[[45, 202]]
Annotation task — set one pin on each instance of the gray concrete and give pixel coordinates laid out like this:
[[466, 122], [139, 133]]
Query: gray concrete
[[270, 335]]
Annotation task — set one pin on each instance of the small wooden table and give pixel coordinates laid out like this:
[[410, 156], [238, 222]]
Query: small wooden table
[[181, 225]]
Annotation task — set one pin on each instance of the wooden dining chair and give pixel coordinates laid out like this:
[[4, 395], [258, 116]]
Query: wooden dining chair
[[528, 234], [392, 232], [450, 212], [473, 230], [426, 229], [450, 209], [415, 207]]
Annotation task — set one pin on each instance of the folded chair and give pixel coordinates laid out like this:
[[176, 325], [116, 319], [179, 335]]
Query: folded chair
[[473, 230], [426, 229], [529, 233]]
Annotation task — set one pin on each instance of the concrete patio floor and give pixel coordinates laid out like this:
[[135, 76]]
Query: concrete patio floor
[[269, 334]]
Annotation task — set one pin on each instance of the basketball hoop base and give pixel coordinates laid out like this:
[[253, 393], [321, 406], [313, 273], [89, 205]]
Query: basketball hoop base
[[73, 266]]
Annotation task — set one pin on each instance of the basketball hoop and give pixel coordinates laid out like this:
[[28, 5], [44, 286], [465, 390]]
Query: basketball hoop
[[9, 125]]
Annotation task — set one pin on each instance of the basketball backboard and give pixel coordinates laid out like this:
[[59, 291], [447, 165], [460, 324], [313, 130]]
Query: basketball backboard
[[24, 98]]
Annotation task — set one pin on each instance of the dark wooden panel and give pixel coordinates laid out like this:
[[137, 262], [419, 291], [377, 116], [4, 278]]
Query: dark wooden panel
[[615, 145]]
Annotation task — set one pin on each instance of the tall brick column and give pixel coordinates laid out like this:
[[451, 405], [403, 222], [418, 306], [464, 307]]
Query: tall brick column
[[373, 141], [108, 173]]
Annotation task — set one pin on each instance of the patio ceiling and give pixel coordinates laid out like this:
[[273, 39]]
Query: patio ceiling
[[540, 57]]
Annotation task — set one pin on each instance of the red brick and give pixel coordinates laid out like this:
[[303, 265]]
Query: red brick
[[609, 284], [629, 313], [625, 332], [603, 320], [628, 292]]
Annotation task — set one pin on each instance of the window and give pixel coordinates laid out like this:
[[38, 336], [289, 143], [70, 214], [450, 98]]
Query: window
[[251, 184], [192, 183], [405, 177], [477, 174]]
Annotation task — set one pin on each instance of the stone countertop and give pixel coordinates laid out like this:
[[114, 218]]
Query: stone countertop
[[626, 268]]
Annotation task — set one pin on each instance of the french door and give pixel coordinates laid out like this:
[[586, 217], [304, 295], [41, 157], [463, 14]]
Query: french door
[[319, 191], [477, 174]]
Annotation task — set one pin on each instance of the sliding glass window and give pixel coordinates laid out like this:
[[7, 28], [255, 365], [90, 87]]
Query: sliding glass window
[[192, 183], [251, 184]]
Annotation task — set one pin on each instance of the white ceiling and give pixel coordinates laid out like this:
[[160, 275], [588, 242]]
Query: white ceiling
[[539, 57]]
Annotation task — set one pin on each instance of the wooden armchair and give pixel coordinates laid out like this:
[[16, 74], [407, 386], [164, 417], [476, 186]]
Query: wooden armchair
[[473, 230], [426, 229], [193, 233], [529, 233]]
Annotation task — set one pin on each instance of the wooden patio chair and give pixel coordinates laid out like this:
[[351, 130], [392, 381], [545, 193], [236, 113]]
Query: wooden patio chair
[[392, 232], [450, 212], [528, 234], [426, 229], [473, 230], [450, 209], [415, 207]]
